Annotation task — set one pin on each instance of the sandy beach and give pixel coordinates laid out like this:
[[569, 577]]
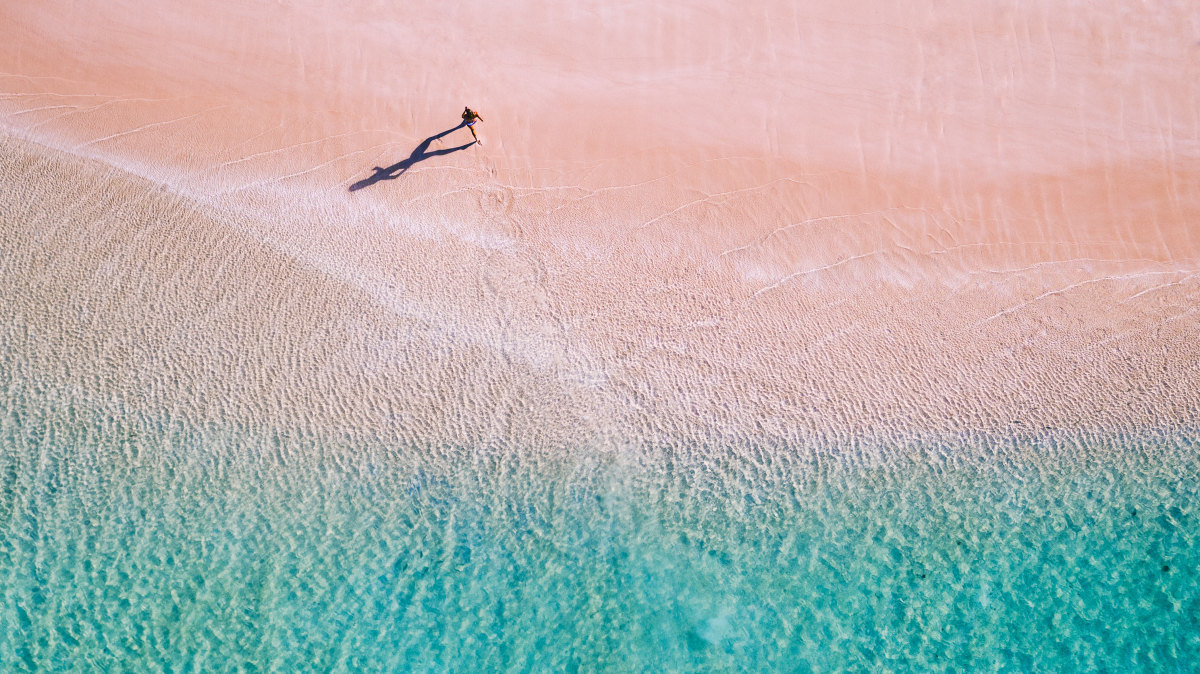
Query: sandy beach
[[752, 236], [937, 225]]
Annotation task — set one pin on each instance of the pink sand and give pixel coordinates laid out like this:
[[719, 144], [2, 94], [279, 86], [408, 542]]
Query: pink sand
[[742, 218]]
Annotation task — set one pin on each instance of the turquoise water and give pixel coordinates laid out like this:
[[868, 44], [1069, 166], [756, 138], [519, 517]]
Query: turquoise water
[[131, 544]]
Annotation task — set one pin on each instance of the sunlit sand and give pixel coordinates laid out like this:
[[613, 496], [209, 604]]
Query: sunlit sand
[[841, 234]]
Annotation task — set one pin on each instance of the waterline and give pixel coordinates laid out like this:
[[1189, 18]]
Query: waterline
[[128, 546]]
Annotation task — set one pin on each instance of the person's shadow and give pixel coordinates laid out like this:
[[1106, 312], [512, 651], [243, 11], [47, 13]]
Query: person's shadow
[[420, 154]]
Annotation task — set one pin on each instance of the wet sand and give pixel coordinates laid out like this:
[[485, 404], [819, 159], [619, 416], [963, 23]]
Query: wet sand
[[685, 223]]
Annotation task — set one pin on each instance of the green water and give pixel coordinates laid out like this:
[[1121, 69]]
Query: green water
[[129, 544]]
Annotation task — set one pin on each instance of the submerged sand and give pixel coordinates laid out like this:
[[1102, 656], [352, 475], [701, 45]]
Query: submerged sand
[[686, 223]]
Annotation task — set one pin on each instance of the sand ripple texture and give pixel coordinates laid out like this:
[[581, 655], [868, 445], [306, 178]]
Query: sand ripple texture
[[134, 541], [687, 222], [841, 335], [122, 289]]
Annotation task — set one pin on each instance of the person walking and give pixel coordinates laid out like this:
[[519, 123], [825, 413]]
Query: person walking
[[470, 117]]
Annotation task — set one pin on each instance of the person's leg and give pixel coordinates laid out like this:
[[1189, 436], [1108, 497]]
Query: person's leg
[[471, 128]]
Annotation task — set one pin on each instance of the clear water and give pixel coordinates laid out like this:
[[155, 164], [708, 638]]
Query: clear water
[[130, 544]]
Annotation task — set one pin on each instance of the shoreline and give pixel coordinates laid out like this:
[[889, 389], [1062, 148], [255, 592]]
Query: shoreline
[[838, 336]]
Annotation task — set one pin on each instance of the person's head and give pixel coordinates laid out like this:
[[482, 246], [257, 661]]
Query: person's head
[[466, 109]]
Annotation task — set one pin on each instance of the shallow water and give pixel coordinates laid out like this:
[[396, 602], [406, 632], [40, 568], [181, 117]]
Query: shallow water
[[137, 543]]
